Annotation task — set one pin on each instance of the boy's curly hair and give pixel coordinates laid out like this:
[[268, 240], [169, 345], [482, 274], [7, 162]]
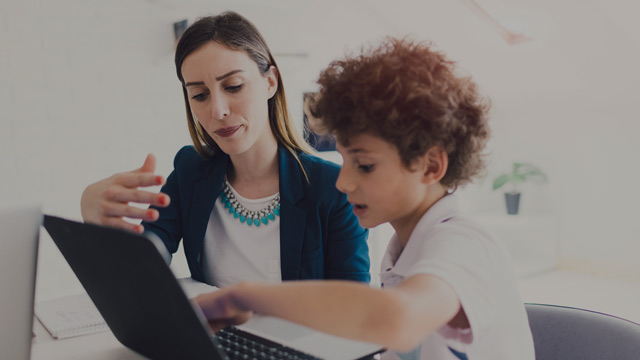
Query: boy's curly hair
[[407, 94]]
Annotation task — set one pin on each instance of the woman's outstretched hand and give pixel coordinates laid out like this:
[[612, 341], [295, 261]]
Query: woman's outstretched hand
[[106, 202]]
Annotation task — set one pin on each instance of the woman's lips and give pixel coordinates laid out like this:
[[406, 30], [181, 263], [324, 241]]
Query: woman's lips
[[228, 131]]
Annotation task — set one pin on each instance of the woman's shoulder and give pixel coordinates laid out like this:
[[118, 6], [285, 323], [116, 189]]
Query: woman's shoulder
[[188, 162], [188, 156], [187, 153], [318, 167], [321, 176]]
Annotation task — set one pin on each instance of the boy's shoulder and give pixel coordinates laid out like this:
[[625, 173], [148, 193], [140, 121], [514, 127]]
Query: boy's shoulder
[[446, 216], [446, 235]]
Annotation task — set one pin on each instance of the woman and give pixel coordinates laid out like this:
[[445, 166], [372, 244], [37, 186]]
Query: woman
[[249, 201]]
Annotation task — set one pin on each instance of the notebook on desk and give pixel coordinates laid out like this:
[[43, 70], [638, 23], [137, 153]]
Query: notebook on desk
[[19, 229], [129, 281], [70, 316]]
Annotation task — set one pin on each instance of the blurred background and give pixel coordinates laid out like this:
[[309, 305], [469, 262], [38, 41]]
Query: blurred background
[[88, 88]]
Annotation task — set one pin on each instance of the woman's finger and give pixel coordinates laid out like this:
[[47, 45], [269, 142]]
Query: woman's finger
[[149, 165], [117, 210], [125, 195], [135, 180], [121, 224]]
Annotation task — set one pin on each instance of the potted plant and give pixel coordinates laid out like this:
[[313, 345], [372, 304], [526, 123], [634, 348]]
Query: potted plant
[[521, 173]]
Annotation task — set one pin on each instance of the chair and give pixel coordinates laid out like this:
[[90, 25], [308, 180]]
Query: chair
[[566, 333]]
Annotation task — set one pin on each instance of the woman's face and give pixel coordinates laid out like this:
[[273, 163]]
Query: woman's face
[[228, 96]]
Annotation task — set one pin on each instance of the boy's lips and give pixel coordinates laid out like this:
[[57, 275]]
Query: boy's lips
[[227, 131], [359, 209]]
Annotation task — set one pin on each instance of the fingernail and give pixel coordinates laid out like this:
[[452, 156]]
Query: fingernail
[[162, 200], [139, 229], [159, 180], [151, 214]]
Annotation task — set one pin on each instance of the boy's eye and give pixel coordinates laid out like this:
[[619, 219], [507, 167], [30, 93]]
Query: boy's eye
[[199, 97], [366, 168], [234, 88]]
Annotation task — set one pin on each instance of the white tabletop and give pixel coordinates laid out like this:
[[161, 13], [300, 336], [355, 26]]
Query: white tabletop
[[98, 346], [104, 345]]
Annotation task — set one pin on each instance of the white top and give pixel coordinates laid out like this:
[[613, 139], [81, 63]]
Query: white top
[[235, 252], [479, 270]]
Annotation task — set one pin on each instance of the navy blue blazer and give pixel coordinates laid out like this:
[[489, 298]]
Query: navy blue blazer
[[320, 237]]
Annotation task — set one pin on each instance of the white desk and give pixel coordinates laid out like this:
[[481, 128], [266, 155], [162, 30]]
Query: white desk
[[104, 345], [99, 346]]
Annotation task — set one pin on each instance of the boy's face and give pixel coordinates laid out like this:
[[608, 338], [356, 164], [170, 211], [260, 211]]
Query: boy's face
[[378, 184]]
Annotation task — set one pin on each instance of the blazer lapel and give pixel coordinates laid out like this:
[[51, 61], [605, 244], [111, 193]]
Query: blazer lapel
[[204, 192], [292, 214]]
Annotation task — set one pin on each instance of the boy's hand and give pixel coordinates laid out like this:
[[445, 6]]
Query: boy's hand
[[222, 309]]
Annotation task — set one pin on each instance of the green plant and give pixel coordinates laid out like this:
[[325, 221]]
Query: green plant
[[521, 172]]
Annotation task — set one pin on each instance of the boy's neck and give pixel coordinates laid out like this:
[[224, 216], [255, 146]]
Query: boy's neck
[[405, 228]]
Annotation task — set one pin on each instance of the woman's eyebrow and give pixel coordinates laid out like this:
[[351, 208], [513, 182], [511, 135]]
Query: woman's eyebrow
[[194, 83], [219, 78], [233, 72]]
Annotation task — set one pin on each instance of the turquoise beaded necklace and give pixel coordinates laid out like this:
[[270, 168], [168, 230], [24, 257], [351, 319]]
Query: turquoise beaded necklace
[[248, 216]]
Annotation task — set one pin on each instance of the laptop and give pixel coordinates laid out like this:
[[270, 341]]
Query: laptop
[[19, 230], [128, 279]]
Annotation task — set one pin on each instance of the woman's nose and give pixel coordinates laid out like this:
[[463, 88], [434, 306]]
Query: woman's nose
[[219, 107]]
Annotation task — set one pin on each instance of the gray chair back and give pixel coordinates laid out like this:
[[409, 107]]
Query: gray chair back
[[566, 333]]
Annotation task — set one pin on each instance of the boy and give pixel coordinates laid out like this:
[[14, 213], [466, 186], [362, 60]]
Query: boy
[[410, 132]]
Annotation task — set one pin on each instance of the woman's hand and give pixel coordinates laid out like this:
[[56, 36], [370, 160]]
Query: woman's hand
[[221, 308], [106, 202]]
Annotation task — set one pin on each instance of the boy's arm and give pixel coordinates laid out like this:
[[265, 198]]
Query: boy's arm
[[397, 318]]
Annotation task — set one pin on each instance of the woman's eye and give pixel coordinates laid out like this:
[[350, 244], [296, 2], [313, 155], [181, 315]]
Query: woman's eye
[[366, 168], [234, 88], [199, 97]]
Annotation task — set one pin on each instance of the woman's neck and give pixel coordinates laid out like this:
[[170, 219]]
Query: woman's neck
[[254, 173]]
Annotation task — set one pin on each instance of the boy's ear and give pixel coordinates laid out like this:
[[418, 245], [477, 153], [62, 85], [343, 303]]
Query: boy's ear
[[435, 164]]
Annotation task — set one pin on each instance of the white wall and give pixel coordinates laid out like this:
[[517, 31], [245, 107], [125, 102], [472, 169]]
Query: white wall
[[88, 88]]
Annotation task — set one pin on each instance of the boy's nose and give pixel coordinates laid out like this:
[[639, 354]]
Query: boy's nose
[[343, 183]]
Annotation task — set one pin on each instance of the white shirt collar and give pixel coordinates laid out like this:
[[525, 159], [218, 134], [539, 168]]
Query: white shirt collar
[[398, 260]]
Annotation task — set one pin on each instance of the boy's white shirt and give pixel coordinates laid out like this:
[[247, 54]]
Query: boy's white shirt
[[478, 268]]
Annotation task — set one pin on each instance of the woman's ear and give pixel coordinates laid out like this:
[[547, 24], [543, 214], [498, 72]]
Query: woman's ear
[[435, 164], [272, 80]]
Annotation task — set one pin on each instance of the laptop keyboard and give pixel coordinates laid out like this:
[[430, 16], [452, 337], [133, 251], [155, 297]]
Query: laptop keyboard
[[240, 344]]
